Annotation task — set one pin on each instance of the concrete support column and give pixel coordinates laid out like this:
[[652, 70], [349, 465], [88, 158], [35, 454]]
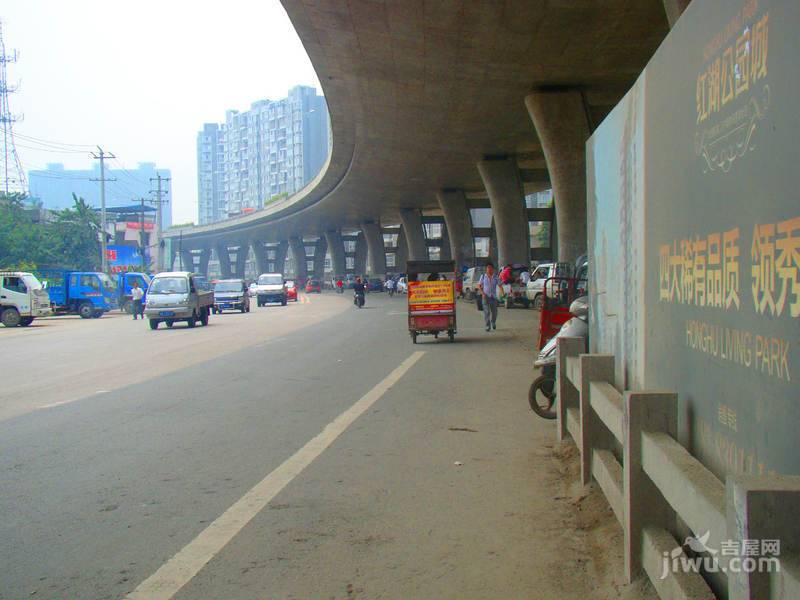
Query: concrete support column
[[280, 256], [674, 9], [205, 256], [504, 187], [224, 260], [414, 236], [459, 226], [376, 254], [241, 259], [321, 249], [336, 248], [560, 121], [401, 255], [173, 253], [360, 263], [260, 252], [299, 255], [187, 260]]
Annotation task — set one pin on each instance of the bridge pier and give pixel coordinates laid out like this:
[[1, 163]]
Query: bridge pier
[[503, 185], [458, 226], [560, 121], [241, 259], [187, 260], [299, 256], [414, 236], [336, 248], [376, 253], [278, 265], [320, 250], [205, 256], [224, 258], [260, 252]]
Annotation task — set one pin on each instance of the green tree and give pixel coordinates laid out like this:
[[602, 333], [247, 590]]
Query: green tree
[[75, 236]]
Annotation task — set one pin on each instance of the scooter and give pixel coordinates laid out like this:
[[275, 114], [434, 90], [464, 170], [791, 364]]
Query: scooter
[[358, 299], [542, 393]]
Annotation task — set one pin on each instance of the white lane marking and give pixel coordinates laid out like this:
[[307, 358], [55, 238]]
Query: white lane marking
[[55, 404], [181, 568]]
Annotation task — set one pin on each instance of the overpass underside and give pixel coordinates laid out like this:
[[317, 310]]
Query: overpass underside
[[440, 110]]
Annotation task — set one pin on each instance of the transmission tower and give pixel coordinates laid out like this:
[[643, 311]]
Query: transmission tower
[[13, 174]]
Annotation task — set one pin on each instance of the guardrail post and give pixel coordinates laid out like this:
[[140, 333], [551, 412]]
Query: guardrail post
[[567, 394], [761, 510], [644, 504], [594, 367]]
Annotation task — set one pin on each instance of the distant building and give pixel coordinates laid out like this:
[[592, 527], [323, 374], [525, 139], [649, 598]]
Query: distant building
[[271, 150], [53, 187]]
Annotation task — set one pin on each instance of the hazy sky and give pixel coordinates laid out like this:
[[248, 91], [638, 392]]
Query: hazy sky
[[141, 77]]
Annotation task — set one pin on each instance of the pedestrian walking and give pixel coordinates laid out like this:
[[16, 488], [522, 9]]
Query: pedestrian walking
[[488, 287], [136, 298]]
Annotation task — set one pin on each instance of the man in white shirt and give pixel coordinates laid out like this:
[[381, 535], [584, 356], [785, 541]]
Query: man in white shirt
[[525, 277], [488, 288], [136, 297]]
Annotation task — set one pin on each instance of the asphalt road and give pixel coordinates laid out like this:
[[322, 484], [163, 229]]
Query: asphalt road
[[309, 451]]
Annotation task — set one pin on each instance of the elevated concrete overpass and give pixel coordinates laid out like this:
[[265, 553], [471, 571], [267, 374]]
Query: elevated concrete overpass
[[440, 106]]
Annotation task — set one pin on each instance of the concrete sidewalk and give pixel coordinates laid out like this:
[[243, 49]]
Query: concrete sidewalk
[[449, 487]]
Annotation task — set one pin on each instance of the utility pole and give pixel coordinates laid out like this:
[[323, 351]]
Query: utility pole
[[158, 202], [141, 236], [102, 156]]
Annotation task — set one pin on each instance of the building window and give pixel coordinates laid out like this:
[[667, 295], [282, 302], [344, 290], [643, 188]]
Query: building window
[[539, 232], [390, 240], [391, 259], [433, 231], [350, 263], [481, 217], [310, 250], [481, 247], [349, 245], [310, 266], [434, 253]]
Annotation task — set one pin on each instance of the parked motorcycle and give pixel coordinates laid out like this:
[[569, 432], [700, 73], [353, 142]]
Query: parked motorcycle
[[542, 393]]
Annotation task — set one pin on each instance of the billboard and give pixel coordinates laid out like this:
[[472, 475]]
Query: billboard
[[125, 258], [694, 232]]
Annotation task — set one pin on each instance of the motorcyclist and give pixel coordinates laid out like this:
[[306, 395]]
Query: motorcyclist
[[359, 290]]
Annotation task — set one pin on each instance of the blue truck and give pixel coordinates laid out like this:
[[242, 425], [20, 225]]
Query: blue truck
[[85, 293], [125, 284]]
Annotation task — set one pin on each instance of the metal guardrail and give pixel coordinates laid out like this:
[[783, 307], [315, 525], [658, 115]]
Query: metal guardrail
[[628, 447]]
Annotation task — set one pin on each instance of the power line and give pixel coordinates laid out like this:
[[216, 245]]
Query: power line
[[31, 138], [101, 156]]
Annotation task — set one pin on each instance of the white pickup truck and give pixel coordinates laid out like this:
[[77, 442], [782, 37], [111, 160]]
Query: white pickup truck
[[22, 299]]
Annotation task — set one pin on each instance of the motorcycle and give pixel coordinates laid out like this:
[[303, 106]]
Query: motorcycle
[[358, 299], [542, 393]]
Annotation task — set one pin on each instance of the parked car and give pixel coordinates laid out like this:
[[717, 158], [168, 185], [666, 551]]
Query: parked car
[[270, 287], [291, 290], [22, 299], [374, 284], [313, 286], [178, 296], [470, 282], [231, 294]]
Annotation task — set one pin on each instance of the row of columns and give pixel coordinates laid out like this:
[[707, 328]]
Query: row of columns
[[560, 119]]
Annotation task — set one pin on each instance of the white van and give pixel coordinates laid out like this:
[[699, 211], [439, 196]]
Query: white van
[[470, 282]]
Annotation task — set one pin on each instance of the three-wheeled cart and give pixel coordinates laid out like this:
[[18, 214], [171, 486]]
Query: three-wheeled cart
[[431, 298]]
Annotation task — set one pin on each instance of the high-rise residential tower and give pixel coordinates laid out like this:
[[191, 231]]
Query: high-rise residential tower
[[269, 151]]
